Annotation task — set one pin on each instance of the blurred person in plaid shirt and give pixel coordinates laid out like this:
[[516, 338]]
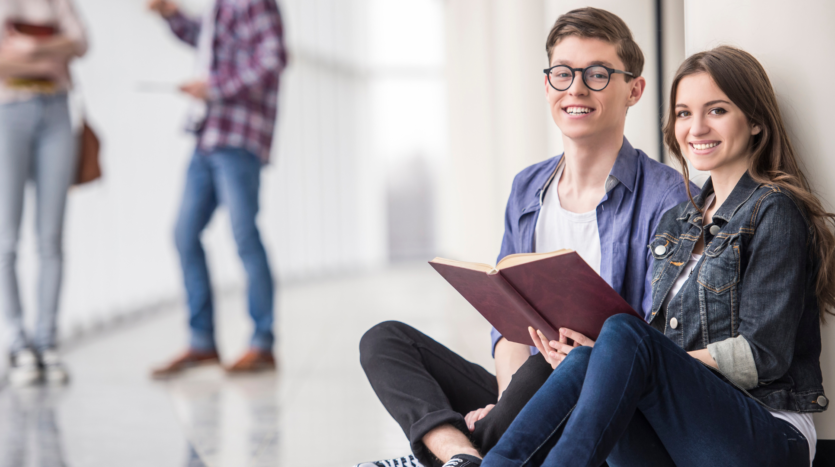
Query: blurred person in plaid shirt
[[240, 55]]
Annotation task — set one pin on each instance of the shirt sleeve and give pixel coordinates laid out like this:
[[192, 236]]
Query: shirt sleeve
[[71, 26], [262, 20], [186, 29]]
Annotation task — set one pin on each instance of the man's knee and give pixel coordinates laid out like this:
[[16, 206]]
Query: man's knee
[[186, 238], [379, 339]]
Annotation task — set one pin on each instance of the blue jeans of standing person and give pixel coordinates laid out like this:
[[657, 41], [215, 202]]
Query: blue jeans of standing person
[[228, 177], [36, 143], [637, 399]]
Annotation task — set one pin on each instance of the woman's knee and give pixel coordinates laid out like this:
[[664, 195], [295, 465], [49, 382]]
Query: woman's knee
[[624, 322], [578, 355], [623, 326]]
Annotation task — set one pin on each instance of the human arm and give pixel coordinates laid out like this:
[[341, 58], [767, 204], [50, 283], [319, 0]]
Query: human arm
[[262, 22], [772, 295], [703, 356], [25, 47], [69, 41], [11, 67], [186, 29]]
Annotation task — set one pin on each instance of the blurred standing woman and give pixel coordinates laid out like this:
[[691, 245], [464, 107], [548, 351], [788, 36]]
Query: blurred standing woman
[[37, 41]]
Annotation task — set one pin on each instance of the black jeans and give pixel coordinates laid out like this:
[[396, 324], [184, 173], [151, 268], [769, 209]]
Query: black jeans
[[424, 385]]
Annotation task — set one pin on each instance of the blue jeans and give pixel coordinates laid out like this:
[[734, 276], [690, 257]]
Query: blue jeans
[[36, 143], [638, 399], [229, 177]]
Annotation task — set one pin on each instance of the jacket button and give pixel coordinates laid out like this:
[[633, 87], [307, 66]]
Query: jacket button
[[673, 323], [660, 250], [822, 401], [714, 229]]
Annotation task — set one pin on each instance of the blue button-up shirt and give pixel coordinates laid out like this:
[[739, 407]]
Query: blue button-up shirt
[[626, 219]]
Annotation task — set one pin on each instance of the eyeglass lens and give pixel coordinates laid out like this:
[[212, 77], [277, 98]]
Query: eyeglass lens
[[595, 77]]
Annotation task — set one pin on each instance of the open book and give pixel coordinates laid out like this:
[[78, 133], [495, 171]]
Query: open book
[[544, 290]]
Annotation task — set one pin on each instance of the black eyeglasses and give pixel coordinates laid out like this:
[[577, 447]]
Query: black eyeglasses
[[595, 77]]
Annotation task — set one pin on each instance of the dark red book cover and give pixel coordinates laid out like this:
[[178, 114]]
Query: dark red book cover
[[550, 293]]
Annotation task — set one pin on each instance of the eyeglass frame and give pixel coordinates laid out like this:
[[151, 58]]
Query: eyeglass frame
[[583, 76]]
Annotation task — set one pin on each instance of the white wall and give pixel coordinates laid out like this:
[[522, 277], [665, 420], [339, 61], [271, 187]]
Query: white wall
[[494, 64], [787, 41], [322, 197]]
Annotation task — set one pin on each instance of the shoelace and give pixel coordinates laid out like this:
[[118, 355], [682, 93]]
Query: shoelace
[[401, 462]]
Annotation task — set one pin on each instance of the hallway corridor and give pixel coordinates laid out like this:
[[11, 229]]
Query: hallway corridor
[[317, 411]]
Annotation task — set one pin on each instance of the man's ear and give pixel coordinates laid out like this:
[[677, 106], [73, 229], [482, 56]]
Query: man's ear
[[636, 91], [547, 86]]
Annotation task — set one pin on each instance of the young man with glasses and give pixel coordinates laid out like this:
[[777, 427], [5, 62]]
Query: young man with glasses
[[601, 198]]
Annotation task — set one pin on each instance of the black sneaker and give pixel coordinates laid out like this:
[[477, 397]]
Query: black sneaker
[[408, 461], [463, 460]]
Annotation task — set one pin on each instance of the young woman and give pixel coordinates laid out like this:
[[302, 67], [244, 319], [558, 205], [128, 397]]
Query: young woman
[[38, 38], [728, 371]]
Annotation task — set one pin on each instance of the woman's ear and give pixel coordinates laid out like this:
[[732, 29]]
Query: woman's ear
[[755, 129]]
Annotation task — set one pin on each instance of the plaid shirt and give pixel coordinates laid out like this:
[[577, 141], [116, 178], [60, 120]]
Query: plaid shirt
[[247, 57]]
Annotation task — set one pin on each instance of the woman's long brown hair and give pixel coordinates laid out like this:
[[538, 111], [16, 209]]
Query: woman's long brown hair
[[773, 161]]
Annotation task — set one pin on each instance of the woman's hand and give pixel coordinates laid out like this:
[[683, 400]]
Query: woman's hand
[[164, 7], [477, 415], [556, 351], [18, 46]]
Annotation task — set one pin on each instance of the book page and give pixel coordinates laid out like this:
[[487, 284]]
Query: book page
[[521, 258], [486, 268]]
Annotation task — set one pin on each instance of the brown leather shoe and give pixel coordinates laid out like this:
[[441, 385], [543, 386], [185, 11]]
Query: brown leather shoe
[[252, 361], [189, 359]]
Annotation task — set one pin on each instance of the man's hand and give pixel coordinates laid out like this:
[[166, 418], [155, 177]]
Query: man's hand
[[18, 46], [198, 89], [477, 415], [556, 351], [165, 8]]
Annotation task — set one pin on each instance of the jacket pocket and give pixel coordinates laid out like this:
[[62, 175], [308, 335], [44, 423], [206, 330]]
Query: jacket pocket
[[662, 248], [720, 269]]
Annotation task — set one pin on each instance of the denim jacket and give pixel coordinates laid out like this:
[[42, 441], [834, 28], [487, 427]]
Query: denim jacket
[[751, 298]]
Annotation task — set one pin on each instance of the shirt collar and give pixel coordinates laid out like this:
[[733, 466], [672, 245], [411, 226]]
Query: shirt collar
[[745, 187], [624, 171]]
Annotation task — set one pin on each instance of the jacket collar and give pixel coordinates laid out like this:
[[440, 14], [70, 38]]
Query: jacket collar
[[744, 189]]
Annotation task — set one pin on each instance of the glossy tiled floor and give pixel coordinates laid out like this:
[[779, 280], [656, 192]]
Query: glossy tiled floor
[[317, 411]]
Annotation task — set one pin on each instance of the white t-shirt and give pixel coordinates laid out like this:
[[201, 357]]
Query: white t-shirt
[[557, 228], [802, 421]]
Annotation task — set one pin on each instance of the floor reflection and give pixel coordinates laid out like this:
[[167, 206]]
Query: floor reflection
[[228, 421], [29, 433]]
